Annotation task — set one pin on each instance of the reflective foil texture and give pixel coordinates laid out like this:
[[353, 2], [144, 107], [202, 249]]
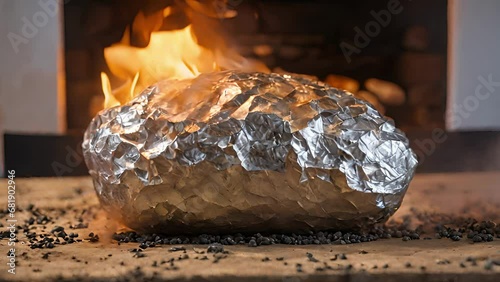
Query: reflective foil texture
[[247, 152]]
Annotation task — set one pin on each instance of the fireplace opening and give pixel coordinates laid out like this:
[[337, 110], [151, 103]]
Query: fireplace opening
[[392, 56]]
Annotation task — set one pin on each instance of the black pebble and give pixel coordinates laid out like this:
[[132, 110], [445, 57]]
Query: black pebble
[[215, 248], [477, 239], [139, 255], [311, 257], [57, 229], [488, 265], [176, 249]]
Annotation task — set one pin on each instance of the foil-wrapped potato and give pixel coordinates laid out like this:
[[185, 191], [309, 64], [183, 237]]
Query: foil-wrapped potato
[[247, 152]]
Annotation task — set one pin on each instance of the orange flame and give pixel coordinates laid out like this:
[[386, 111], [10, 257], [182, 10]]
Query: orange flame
[[170, 54]]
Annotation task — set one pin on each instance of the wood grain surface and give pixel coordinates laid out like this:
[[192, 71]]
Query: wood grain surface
[[71, 202]]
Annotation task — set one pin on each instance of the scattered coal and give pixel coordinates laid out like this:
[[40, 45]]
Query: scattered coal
[[254, 240], [41, 232], [35, 228], [469, 229]]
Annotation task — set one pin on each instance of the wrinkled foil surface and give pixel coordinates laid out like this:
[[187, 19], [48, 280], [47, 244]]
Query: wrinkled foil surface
[[247, 152]]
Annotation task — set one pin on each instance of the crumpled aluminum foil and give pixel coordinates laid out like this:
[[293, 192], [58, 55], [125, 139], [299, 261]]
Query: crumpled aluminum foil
[[247, 152]]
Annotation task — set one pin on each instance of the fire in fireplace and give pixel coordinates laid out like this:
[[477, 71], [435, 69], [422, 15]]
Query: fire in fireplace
[[170, 53]]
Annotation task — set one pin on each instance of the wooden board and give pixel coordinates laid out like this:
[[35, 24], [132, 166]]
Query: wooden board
[[465, 194]]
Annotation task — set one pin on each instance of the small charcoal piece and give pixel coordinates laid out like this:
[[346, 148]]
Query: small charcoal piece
[[215, 248], [311, 257], [176, 249]]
